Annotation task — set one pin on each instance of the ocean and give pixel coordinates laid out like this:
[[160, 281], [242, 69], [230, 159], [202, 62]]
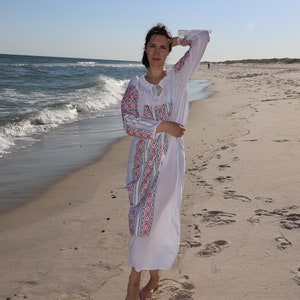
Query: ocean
[[57, 115]]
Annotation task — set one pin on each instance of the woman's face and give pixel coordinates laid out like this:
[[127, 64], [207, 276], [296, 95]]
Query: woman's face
[[157, 50]]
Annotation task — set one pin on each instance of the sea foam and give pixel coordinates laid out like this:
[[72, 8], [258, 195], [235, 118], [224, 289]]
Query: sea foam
[[100, 98]]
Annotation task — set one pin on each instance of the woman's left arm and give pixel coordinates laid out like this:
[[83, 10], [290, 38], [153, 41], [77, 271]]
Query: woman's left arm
[[197, 40]]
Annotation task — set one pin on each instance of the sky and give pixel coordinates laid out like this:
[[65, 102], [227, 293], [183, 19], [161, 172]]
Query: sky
[[116, 29]]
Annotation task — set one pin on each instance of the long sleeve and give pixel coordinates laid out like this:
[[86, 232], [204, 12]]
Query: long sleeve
[[197, 40], [135, 125]]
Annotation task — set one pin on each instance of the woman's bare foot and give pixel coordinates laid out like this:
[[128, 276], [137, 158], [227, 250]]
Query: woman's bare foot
[[153, 284]]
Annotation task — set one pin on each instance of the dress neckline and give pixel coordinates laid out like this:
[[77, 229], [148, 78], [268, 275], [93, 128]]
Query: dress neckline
[[158, 84]]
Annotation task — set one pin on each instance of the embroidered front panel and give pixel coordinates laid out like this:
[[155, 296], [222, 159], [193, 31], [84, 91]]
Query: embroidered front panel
[[142, 188], [158, 112]]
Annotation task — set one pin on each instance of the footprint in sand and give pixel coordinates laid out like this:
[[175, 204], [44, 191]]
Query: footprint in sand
[[251, 140], [265, 199], [225, 147], [281, 141], [192, 242], [198, 168], [287, 220], [290, 221], [230, 194], [223, 167], [175, 290], [213, 248], [222, 179], [113, 195], [236, 158], [215, 217], [282, 243], [297, 276], [195, 237]]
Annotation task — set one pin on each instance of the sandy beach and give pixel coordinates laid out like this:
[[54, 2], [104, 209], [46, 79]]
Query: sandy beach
[[240, 214]]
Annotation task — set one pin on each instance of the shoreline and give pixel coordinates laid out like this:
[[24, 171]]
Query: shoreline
[[242, 154], [28, 172], [54, 156], [41, 200]]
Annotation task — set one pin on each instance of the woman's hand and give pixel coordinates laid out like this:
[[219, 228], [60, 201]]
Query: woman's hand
[[174, 41], [173, 128]]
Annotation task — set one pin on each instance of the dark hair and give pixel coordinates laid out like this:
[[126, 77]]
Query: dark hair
[[159, 29]]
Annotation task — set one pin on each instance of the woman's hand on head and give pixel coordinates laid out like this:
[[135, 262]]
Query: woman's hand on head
[[174, 41], [173, 128]]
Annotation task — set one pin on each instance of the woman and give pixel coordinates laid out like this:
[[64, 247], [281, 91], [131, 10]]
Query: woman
[[154, 111]]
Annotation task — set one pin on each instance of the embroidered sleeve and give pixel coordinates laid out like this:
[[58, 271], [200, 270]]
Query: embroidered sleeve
[[197, 40], [133, 124]]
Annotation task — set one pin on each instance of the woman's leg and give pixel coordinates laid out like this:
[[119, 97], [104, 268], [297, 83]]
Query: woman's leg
[[152, 285], [133, 289]]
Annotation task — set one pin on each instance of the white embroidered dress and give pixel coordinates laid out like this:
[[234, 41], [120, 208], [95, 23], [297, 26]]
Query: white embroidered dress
[[155, 174]]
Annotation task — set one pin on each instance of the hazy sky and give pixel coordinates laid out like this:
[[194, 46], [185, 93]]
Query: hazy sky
[[115, 29]]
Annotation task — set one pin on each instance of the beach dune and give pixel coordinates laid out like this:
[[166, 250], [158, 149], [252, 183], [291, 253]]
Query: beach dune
[[240, 214]]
